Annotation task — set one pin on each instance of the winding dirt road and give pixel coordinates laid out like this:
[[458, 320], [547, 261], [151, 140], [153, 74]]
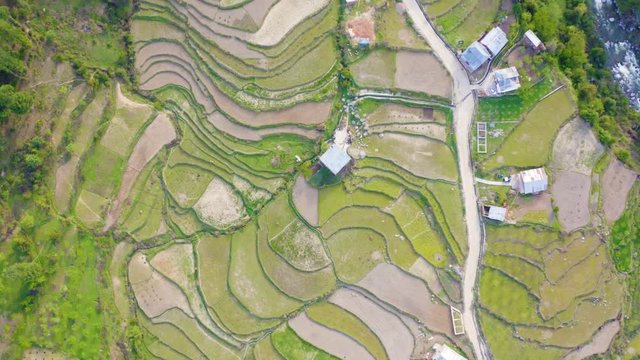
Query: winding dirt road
[[463, 101]]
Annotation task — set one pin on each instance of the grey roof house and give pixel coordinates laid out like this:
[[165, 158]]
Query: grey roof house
[[494, 40], [474, 56]]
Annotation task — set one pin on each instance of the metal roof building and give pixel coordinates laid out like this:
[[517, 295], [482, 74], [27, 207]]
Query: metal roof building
[[335, 159], [533, 39], [507, 79], [497, 213], [444, 352], [495, 40], [530, 181], [474, 56]]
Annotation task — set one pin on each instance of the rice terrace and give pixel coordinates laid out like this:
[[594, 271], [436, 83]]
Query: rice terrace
[[315, 179]]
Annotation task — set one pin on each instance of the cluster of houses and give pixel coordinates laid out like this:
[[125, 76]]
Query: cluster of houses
[[527, 182], [488, 47]]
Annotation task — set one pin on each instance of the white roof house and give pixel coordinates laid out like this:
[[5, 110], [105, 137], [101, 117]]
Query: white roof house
[[444, 352], [507, 79], [495, 40], [474, 56], [532, 38], [335, 159], [530, 181], [497, 213]]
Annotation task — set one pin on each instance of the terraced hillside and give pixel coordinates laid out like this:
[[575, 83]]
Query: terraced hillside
[[237, 254]]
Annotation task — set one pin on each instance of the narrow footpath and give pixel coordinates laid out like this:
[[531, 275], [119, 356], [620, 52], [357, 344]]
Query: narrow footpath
[[464, 104]]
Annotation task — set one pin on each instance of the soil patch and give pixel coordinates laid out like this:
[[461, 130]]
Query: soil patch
[[409, 294], [576, 148], [392, 332], [329, 340], [616, 184], [599, 344], [155, 136], [529, 206], [375, 70], [571, 193], [219, 206], [432, 130], [422, 72], [305, 198], [362, 27]]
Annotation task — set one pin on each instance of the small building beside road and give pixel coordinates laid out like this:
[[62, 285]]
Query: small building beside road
[[507, 80], [474, 56], [532, 181], [335, 159], [494, 40], [444, 352], [496, 213]]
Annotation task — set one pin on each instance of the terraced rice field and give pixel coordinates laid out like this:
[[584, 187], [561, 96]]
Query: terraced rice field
[[231, 251], [462, 21], [545, 292]]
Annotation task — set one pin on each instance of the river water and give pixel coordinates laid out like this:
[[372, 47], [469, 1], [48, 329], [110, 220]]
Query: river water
[[621, 39]]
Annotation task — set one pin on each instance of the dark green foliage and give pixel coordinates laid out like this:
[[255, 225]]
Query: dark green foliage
[[568, 29], [13, 101]]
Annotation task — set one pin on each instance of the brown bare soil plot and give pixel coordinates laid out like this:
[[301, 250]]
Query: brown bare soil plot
[[616, 184], [532, 204], [599, 343], [305, 198], [362, 27], [422, 72], [159, 133], [571, 194], [392, 332], [576, 148], [432, 130], [153, 292], [393, 286], [329, 340], [399, 114], [220, 206]]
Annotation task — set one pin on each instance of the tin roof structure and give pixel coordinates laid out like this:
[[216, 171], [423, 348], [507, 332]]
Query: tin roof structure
[[335, 159], [474, 56], [494, 40]]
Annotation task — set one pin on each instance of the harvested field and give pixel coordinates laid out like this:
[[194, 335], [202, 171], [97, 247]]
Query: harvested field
[[355, 252], [571, 194], [305, 198], [427, 158], [434, 131], [177, 264], [376, 70], [154, 293], [89, 207], [425, 271], [576, 148], [390, 113], [335, 317], [422, 72], [616, 183], [120, 253], [71, 102], [282, 18], [300, 246], [392, 332], [329, 340], [219, 206], [159, 133], [248, 282], [409, 294], [65, 180]]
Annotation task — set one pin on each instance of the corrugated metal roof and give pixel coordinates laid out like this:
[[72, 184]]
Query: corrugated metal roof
[[507, 79], [335, 159], [497, 213], [495, 40], [474, 56], [533, 38]]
